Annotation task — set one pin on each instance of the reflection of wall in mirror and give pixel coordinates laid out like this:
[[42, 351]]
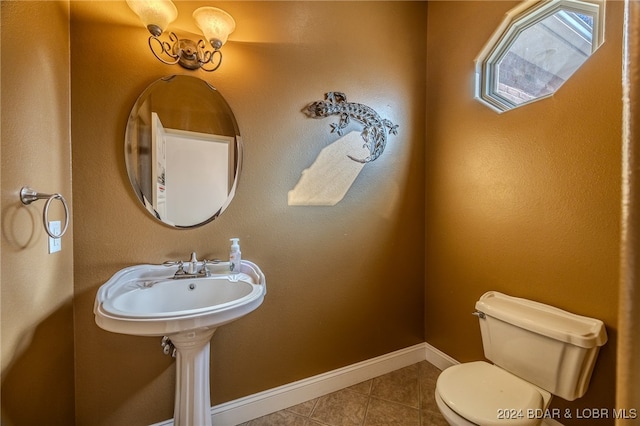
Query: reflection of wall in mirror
[[193, 177]]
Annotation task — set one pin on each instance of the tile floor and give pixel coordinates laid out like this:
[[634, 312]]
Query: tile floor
[[400, 398]]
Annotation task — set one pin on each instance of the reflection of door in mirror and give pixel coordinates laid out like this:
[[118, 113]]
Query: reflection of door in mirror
[[188, 165]]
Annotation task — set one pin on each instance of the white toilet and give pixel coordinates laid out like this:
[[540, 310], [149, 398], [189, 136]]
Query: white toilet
[[537, 351]]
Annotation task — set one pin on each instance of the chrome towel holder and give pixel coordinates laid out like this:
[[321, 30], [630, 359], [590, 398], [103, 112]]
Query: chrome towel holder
[[28, 196]]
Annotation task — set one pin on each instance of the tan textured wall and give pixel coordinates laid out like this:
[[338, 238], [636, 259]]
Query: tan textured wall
[[36, 287], [345, 283], [526, 202]]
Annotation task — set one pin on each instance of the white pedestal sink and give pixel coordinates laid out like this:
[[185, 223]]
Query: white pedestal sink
[[145, 300]]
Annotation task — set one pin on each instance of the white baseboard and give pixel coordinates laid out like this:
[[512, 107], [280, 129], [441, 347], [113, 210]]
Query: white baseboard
[[260, 404], [438, 358], [272, 400]]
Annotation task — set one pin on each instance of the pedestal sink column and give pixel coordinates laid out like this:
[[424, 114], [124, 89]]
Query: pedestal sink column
[[192, 401]]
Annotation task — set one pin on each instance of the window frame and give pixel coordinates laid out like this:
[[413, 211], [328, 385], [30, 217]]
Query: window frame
[[516, 21]]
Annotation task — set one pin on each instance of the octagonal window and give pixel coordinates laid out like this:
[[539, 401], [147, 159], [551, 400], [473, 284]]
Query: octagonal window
[[538, 46]]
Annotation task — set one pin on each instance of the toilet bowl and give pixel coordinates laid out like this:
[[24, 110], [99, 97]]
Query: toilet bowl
[[537, 351], [479, 393]]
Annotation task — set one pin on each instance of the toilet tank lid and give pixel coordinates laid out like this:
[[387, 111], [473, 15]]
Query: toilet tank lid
[[544, 319]]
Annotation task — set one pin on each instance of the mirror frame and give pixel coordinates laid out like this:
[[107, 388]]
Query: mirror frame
[[516, 21], [138, 141]]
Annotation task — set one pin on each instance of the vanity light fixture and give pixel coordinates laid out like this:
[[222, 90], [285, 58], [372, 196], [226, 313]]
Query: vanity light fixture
[[215, 24]]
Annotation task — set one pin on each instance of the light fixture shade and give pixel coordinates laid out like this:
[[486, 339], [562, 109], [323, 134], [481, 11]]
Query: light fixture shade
[[216, 24], [158, 13]]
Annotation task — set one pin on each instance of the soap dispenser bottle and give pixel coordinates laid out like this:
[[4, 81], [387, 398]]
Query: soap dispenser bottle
[[235, 256]]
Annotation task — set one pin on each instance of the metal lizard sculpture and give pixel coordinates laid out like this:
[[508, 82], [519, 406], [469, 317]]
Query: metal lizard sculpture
[[375, 128]]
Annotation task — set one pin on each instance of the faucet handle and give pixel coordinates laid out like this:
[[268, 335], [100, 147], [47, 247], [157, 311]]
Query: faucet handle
[[178, 263], [205, 271], [180, 270]]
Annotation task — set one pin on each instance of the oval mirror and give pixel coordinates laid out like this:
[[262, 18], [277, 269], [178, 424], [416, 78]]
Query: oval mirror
[[183, 151]]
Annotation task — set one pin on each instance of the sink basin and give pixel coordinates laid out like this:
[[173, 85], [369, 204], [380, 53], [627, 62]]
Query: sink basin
[[144, 300], [172, 298]]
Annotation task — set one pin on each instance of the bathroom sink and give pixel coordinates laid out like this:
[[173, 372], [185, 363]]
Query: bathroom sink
[[186, 307], [146, 300]]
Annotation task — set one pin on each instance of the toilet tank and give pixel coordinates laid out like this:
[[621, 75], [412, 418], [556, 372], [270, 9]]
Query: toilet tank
[[551, 348]]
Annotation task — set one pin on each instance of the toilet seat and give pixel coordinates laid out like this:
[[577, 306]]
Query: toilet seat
[[487, 395]]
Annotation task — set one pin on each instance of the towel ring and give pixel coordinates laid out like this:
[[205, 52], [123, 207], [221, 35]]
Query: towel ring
[[28, 196]]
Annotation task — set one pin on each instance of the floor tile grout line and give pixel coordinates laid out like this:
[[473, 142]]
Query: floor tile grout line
[[420, 397], [315, 404], [366, 410], [391, 401]]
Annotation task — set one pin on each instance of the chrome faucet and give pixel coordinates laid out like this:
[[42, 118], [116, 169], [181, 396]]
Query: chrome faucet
[[192, 268]]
